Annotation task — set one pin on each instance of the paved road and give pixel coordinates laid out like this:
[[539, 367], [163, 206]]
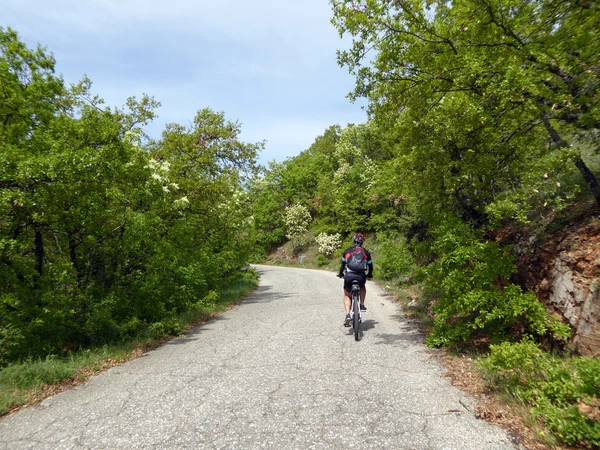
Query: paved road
[[279, 371]]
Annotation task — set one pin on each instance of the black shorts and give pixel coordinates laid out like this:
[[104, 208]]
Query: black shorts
[[350, 277]]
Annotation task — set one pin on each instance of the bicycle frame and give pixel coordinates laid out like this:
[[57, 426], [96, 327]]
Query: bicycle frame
[[355, 308]]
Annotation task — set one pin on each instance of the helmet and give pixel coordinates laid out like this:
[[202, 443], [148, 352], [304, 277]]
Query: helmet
[[358, 239]]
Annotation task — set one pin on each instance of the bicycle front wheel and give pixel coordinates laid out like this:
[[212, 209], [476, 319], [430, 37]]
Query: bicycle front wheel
[[356, 321]]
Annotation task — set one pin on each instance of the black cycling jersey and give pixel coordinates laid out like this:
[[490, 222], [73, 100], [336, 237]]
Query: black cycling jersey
[[367, 256]]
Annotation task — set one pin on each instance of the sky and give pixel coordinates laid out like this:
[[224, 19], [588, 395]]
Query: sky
[[270, 64]]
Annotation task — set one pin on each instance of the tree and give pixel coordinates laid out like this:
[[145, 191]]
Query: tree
[[484, 89], [352, 180], [486, 105], [267, 201], [210, 166], [104, 234]]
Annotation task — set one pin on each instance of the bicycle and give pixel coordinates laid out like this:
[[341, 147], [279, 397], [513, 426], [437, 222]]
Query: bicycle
[[355, 312]]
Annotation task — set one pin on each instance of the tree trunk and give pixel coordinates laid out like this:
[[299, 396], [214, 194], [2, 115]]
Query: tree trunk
[[590, 179], [587, 174], [39, 255], [73, 256]]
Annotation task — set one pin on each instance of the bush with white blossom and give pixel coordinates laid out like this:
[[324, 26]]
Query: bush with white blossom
[[296, 218], [328, 243]]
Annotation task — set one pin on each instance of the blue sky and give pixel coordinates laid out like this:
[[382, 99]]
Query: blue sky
[[268, 63]]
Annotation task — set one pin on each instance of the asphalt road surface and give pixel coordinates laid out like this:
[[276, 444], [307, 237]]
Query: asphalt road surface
[[278, 371]]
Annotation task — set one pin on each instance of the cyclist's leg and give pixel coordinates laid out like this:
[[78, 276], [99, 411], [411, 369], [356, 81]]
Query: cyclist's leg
[[363, 289], [347, 301], [347, 306], [347, 289]]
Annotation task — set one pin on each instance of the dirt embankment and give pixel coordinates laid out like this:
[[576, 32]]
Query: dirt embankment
[[563, 269]]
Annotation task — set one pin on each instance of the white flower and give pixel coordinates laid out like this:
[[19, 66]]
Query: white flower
[[297, 218], [328, 243], [181, 202]]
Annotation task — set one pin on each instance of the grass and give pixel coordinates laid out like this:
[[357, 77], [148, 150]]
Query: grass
[[31, 381]]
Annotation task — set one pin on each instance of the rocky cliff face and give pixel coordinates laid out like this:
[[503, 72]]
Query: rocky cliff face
[[569, 282]]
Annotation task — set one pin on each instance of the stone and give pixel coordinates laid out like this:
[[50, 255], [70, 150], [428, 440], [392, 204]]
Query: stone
[[562, 286], [569, 283], [587, 341]]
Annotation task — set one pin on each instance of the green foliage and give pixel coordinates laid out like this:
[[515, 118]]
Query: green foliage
[[31, 373], [322, 260], [564, 393], [477, 296], [169, 326], [394, 258], [267, 204], [296, 218], [352, 179], [333, 181], [482, 105], [104, 235]]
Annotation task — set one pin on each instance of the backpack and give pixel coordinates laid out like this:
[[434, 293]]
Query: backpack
[[356, 260]]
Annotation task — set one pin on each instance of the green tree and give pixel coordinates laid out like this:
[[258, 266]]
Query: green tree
[[479, 91], [267, 202], [102, 233], [485, 106], [69, 180], [209, 166]]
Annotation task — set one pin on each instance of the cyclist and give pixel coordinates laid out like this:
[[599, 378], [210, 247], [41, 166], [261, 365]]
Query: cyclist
[[356, 260]]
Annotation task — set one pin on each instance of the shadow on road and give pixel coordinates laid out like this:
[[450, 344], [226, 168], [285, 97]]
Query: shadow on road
[[409, 334], [400, 340], [192, 335], [365, 326], [262, 295], [368, 325]]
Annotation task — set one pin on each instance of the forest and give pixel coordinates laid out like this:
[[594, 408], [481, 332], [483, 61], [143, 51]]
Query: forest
[[472, 129], [104, 233], [482, 143], [484, 124]]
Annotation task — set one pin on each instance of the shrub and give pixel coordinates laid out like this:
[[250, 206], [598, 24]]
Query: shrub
[[394, 258], [564, 393], [477, 297], [322, 260], [169, 326], [296, 220], [328, 243]]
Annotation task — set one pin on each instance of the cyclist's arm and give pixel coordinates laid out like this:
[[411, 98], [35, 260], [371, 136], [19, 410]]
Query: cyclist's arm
[[342, 267], [370, 271], [369, 265]]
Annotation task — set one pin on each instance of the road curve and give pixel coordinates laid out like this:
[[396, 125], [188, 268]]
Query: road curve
[[278, 371]]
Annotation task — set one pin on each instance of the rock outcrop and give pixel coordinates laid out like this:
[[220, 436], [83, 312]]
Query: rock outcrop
[[569, 283]]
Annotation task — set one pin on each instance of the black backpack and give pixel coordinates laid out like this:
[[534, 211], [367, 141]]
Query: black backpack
[[356, 260]]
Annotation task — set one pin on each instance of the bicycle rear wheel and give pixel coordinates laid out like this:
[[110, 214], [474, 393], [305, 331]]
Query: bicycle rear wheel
[[356, 321]]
